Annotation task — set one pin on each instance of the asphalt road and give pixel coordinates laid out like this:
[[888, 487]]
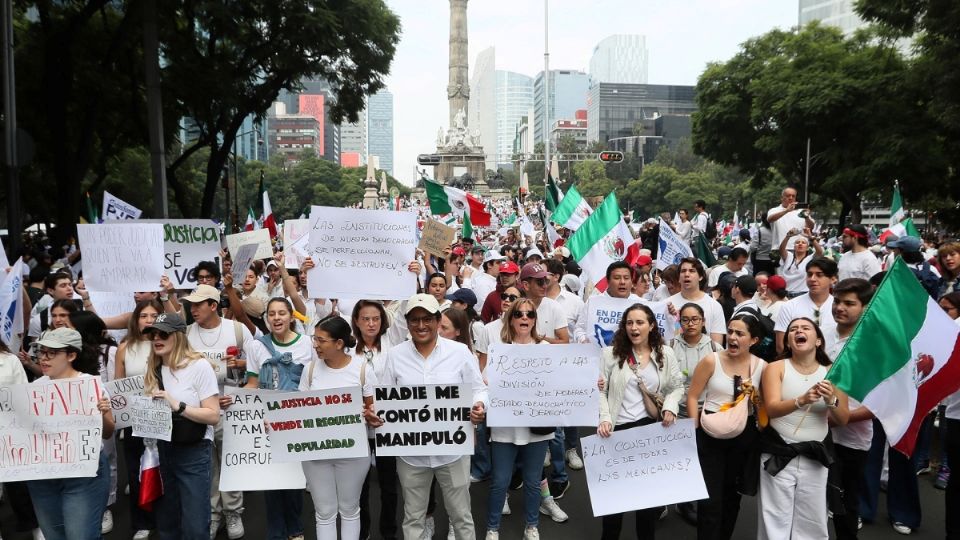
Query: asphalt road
[[576, 503]]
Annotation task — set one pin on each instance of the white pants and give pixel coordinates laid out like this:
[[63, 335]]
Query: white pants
[[793, 504], [454, 480], [335, 486]]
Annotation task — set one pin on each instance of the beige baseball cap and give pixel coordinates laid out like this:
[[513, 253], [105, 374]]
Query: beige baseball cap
[[203, 293]]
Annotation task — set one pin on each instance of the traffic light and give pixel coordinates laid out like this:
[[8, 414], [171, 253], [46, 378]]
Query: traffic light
[[611, 157], [428, 159]]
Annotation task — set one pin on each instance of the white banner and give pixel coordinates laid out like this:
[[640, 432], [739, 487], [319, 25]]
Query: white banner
[[261, 237], [428, 420], [122, 392], [361, 253], [116, 209], [296, 241], [246, 464], [124, 257], [643, 467], [152, 418], [50, 429], [111, 304], [672, 248], [604, 313], [543, 385], [319, 424]]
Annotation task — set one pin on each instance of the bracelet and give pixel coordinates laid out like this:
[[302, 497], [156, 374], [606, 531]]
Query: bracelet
[[835, 403], [164, 297], [796, 402]]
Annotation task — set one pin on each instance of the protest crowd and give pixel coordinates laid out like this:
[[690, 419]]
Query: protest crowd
[[442, 344]]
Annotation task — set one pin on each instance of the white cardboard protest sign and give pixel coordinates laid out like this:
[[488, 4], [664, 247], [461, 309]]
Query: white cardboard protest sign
[[672, 248], [151, 418], [241, 261], [122, 392], [186, 242], [296, 241], [261, 237], [117, 209], [643, 467], [543, 385], [246, 463], [122, 257], [50, 429], [428, 420], [604, 313], [111, 304], [361, 253], [319, 424]]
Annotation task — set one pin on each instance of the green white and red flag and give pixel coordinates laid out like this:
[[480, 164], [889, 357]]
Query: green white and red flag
[[450, 200], [603, 238]]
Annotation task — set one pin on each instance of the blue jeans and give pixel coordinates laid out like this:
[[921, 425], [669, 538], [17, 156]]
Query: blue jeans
[[903, 493], [184, 508], [558, 452], [71, 508], [480, 461], [284, 513], [531, 466]]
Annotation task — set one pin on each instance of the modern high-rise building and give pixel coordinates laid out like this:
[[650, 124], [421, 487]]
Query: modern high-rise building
[[568, 93], [514, 100], [624, 110], [330, 136], [620, 58], [839, 13], [482, 113], [290, 135], [380, 129], [353, 140]]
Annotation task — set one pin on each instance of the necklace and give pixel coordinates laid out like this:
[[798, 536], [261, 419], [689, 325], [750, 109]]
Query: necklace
[[806, 376], [200, 336]]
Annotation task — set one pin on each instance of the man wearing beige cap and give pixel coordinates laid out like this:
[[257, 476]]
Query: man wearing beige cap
[[221, 341], [429, 359]]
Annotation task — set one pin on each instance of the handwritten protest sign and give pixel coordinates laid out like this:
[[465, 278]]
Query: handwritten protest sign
[[320, 424], [672, 247], [604, 314], [50, 429], [151, 418], [643, 467], [246, 463], [436, 237], [121, 393], [296, 241], [241, 261], [429, 420], [260, 237], [543, 385], [111, 304], [186, 242], [116, 209], [361, 253], [125, 257]]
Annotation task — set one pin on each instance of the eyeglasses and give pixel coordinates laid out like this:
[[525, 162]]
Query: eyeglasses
[[318, 339], [205, 277], [690, 320], [528, 314], [510, 297], [48, 353], [153, 333], [417, 321]]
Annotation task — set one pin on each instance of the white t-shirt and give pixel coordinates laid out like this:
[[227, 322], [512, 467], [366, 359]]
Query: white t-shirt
[[11, 370], [795, 273], [685, 231], [550, 318], [858, 265], [631, 407], [325, 377], [192, 385], [855, 435], [718, 271], [300, 348], [482, 285], [782, 226], [571, 305], [715, 322], [213, 343], [491, 332], [803, 306]]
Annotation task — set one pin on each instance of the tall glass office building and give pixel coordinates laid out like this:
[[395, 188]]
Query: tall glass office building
[[568, 93], [514, 99], [380, 129], [620, 58], [838, 13]]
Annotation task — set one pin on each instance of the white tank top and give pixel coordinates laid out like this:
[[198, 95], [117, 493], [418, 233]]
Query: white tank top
[[136, 356], [814, 426], [719, 388]]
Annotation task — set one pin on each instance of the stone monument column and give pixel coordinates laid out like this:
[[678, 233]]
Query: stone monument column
[[458, 85]]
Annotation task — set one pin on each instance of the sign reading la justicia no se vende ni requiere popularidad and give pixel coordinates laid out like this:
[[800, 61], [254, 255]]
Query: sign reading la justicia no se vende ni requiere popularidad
[[427, 420], [361, 253], [543, 385], [318, 424]]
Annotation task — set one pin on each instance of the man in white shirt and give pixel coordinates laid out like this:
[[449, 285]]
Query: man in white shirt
[[485, 282], [787, 216], [816, 304], [699, 219], [429, 359], [57, 286], [619, 286], [857, 260], [569, 302], [551, 319], [684, 229], [692, 280], [736, 262]]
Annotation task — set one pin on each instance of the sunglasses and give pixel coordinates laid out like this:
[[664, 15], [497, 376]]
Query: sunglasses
[[528, 314], [539, 281], [510, 297], [153, 333]]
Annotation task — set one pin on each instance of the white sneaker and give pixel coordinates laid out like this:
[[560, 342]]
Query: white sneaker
[[506, 507], [428, 528], [142, 534], [493, 535], [549, 507], [901, 528], [106, 523], [450, 534], [546, 460], [216, 522], [234, 525], [126, 489], [38, 534], [573, 460], [531, 533]]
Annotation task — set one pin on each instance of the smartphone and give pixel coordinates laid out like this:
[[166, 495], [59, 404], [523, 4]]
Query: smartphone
[[800, 205]]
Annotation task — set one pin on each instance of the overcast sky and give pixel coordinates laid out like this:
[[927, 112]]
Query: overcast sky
[[682, 37]]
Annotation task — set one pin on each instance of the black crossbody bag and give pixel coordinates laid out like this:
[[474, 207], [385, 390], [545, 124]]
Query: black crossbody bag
[[185, 431]]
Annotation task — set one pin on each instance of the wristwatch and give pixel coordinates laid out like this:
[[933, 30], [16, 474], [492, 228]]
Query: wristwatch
[[180, 409], [835, 403]]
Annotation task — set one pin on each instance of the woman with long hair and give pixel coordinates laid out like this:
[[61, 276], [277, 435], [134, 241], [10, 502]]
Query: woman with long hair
[[133, 354], [793, 263], [802, 405], [455, 325], [717, 381], [60, 312], [335, 484], [186, 381], [948, 259], [525, 447], [635, 368], [72, 507], [437, 288]]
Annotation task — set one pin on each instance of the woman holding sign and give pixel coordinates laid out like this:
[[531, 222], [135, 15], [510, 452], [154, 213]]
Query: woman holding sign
[[642, 385], [71, 504], [335, 484]]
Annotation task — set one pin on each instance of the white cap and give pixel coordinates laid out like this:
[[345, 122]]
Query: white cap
[[493, 255], [425, 301]]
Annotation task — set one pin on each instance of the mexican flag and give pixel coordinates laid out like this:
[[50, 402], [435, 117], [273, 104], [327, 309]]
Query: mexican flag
[[896, 207], [268, 220], [467, 228], [602, 239], [151, 486], [572, 211], [701, 248], [251, 223], [903, 228], [446, 200], [903, 357], [553, 194]]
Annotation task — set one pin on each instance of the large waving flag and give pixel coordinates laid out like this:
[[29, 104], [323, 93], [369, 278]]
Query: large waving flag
[[896, 207], [553, 195], [11, 305], [447, 200], [602, 239], [268, 220], [572, 211], [903, 357]]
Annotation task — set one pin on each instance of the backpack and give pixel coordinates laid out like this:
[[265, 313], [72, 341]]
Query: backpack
[[711, 231], [280, 372], [766, 348], [928, 279]]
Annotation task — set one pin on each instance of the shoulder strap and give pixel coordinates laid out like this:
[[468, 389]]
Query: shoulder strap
[[238, 334], [363, 374], [310, 371]]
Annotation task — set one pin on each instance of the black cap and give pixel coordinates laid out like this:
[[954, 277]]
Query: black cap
[[168, 322], [747, 285]]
